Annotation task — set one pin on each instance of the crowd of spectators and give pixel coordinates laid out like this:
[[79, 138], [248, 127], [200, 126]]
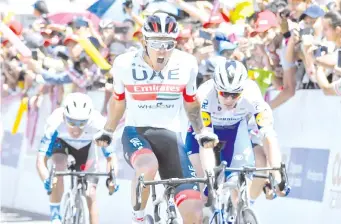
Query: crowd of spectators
[[286, 45]]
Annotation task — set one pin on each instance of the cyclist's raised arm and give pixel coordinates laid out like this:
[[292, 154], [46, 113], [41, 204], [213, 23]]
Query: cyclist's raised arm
[[117, 103], [108, 151], [45, 148], [191, 102]]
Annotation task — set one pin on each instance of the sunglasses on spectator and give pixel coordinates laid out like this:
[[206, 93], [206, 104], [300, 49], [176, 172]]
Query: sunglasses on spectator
[[158, 45], [76, 123], [228, 94]]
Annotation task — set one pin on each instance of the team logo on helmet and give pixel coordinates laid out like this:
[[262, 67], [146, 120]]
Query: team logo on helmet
[[230, 67]]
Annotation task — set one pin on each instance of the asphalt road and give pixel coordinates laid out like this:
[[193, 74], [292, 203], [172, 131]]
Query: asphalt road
[[15, 216]]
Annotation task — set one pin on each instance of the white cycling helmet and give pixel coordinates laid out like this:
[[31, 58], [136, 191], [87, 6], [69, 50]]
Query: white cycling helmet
[[160, 24], [230, 76], [78, 106]]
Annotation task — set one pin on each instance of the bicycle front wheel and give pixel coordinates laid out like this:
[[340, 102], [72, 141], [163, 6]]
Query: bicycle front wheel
[[82, 215], [175, 221], [247, 216], [68, 215], [149, 219]]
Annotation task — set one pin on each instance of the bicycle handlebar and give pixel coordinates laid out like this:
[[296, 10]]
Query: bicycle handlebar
[[80, 174], [175, 181], [247, 169], [54, 173], [222, 167], [112, 180], [172, 182]]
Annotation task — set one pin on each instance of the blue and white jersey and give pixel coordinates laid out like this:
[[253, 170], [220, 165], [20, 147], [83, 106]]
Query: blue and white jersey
[[250, 105], [232, 126], [56, 127]]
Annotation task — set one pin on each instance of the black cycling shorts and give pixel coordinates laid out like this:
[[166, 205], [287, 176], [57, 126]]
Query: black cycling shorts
[[169, 150], [84, 160]]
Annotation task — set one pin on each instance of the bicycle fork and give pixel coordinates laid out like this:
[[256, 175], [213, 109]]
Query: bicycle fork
[[171, 210]]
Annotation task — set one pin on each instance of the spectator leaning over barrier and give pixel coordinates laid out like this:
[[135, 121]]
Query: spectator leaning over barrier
[[330, 63]]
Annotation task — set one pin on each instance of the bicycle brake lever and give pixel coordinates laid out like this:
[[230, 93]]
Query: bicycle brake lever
[[51, 177], [112, 179], [139, 188]]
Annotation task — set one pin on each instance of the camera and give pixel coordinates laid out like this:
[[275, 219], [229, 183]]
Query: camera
[[318, 52], [121, 29], [306, 31], [285, 13], [62, 55]]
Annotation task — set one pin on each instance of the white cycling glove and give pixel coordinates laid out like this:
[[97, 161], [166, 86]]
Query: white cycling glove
[[206, 137]]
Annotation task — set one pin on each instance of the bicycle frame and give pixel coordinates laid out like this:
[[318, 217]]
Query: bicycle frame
[[169, 194], [218, 207], [241, 185], [78, 186]]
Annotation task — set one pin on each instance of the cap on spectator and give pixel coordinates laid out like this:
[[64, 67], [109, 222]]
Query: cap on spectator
[[217, 19], [71, 38], [226, 45], [41, 7], [241, 11], [16, 27], [313, 11], [79, 22], [220, 36], [46, 32], [117, 48], [137, 33], [265, 21], [52, 41], [106, 24]]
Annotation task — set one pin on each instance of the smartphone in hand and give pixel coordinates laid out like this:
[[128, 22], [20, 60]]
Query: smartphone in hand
[[320, 50], [306, 31], [35, 55]]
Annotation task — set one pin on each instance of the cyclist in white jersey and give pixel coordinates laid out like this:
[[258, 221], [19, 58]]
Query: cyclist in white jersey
[[228, 101], [70, 130], [153, 83]]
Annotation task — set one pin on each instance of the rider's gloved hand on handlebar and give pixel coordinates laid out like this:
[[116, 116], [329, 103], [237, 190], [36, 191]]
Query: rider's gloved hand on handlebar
[[207, 139], [282, 188], [112, 188], [103, 138]]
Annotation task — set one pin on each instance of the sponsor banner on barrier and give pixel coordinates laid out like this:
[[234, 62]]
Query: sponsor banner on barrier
[[335, 189], [307, 173], [11, 148]]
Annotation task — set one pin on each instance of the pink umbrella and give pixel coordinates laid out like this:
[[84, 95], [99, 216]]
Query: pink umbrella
[[66, 17]]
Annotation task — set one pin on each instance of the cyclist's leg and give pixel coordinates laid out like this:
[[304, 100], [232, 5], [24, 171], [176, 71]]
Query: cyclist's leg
[[237, 151], [260, 158], [169, 149], [139, 155], [258, 183], [59, 158], [86, 160], [192, 150]]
